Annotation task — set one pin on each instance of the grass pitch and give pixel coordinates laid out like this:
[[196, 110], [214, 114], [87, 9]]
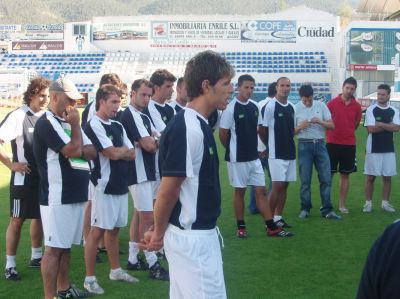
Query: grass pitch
[[323, 260]]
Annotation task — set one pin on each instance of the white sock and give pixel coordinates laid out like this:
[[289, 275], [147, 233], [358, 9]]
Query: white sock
[[10, 261], [385, 202], [36, 253], [277, 218], [151, 257], [115, 271], [133, 252], [90, 278]]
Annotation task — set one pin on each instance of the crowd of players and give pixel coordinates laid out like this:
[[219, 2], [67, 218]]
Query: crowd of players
[[70, 176]]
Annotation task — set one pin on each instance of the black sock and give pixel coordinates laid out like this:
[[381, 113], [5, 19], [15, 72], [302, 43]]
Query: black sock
[[270, 224], [240, 224], [65, 291]]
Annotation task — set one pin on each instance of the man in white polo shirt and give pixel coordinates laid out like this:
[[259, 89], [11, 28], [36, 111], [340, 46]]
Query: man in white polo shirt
[[312, 120]]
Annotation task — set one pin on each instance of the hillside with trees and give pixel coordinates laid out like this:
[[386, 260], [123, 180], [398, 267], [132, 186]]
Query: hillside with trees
[[50, 11]]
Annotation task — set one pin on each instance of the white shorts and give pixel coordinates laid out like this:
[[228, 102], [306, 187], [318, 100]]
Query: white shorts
[[91, 190], [109, 211], [195, 264], [143, 195], [243, 174], [383, 164], [282, 170], [62, 224]]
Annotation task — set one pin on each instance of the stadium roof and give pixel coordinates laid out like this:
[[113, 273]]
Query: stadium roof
[[379, 10]]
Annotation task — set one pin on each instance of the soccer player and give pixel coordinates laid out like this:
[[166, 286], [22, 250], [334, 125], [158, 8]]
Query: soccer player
[[238, 134], [181, 96], [87, 114], [262, 149], [381, 120], [90, 111], [189, 200], [278, 125], [17, 128], [109, 176], [158, 111], [341, 141], [312, 120], [63, 189], [142, 177]]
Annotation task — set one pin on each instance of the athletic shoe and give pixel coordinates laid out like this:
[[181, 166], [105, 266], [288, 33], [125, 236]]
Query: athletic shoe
[[140, 265], [367, 207], [12, 274], [332, 215], [304, 214], [279, 232], [161, 255], [386, 206], [93, 287], [241, 233], [344, 210], [122, 275], [73, 292], [35, 263], [282, 223], [158, 272]]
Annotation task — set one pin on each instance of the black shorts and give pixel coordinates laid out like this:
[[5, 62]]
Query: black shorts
[[342, 155], [24, 202]]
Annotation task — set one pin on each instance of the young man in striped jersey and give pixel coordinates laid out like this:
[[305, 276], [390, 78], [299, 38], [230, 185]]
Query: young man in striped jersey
[[109, 176], [238, 134], [181, 96], [189, 199], [142, 177], [17, 128]]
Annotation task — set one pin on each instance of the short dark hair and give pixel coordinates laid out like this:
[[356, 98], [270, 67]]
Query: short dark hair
[[272, 90], [180, 81], [306, 91], [206, 65], [138, 82], [351, 81], [104, 92], [110, 78], [35, 86], [245, 77], [160, 76], [385, 87], [281, 78]]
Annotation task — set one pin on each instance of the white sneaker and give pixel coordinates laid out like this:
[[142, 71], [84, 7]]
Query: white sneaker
[[386, 206], [93, 287], [122, 276], [367, 207]]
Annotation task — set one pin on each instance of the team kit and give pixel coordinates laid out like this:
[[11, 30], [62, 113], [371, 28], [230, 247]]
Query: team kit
[[71, 174]]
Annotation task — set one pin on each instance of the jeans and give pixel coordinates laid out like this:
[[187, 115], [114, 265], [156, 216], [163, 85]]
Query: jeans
[[252, 203], [314, 153]]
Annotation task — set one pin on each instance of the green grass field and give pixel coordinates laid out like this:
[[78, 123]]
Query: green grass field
[[323, 260]]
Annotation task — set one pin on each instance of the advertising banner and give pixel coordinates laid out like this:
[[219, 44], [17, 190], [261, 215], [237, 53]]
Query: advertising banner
[[265, 31], [316, 32], [177, 31], [373, 46], [32, 32], [37, 45], [120, 31]]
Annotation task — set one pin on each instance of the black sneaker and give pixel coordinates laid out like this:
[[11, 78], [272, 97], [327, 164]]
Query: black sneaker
[[73, 292], [140, 265], [161, 255], [282, 223], [159, 273], [35, 263], [12, 274]]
